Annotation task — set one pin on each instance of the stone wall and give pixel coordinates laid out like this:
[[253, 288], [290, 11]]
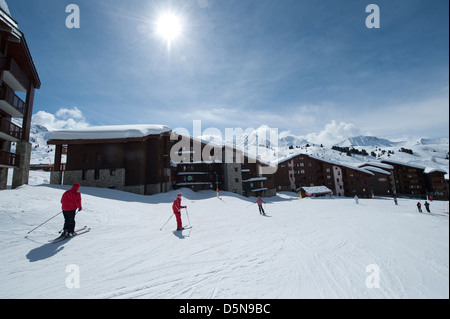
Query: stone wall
[[21, 173], [105, 178]]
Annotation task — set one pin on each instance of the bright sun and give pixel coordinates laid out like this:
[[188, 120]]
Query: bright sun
[[168, 26]]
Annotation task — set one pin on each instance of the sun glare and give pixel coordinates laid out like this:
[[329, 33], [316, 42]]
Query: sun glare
[[168, 26]]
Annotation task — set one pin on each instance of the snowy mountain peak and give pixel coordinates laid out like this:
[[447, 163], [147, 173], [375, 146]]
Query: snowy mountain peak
[[363, 140]]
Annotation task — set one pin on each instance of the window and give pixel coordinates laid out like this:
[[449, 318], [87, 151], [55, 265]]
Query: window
[[302, 171], [83, 174], [302, 164], [112, 172]]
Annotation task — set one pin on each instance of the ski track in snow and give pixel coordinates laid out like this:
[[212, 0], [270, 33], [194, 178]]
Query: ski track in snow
[[310, 248]]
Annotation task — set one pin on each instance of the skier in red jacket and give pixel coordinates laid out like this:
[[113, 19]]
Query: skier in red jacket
[[71, 201], [176, 206]]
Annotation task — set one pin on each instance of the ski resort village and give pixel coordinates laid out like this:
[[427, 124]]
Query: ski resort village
[[138, 207]]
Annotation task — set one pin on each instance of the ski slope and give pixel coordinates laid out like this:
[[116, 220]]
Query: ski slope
[[309, 248]]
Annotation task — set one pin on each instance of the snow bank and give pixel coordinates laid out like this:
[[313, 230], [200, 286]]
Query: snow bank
[[322, 248]]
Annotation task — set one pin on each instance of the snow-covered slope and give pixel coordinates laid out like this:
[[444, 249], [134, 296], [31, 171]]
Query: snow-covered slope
[[41, 153], [310, 248]]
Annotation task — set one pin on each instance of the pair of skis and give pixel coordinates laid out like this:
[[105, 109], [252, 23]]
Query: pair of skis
[[184, 228], [77, 232]]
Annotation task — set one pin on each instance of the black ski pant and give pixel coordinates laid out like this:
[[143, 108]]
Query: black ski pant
[[69, 220], [261, 209]]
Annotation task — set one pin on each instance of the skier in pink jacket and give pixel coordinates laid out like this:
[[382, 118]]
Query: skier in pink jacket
[[259, 201]]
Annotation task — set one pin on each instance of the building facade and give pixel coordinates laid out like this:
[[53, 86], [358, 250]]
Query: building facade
[[410, 180], [437, 185], [128, 158], [205, 166], [382, 182], [18, 82], [303, 170]]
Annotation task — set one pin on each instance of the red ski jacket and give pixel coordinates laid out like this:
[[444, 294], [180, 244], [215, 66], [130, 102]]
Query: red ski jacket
[[71, 200], [176, 206]]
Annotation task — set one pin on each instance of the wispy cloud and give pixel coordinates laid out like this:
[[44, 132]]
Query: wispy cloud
[[333, 133]]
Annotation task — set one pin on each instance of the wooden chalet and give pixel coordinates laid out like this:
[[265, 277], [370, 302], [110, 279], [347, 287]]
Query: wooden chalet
[[18, 82], [132, 158], [382, 181], [304, 170], [315, 191]]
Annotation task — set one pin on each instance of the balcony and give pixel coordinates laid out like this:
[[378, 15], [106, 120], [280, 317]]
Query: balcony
[[9, 159], [11, 103], [10, 131], [13, 75]]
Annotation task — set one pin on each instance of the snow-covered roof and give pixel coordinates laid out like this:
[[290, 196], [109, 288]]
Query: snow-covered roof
[[404, 164], [255, 179], [317, 190], [5, 16], [377, 170], [430, 170], [377, 164], [332, 162], [110, 132], [4, 7]]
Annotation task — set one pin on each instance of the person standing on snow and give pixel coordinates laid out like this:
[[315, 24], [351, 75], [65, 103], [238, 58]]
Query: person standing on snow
[[259, 201], [427, 206], [71, 201], [356, 199], [419, 207], [176, 207]]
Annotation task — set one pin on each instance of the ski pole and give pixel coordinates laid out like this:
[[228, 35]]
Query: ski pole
[[187, 216], [44, 223], [171, 215]]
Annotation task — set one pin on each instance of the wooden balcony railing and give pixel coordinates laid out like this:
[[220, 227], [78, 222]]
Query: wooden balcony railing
[[9, 159], [10, 129], [7, 94], [10, 65]]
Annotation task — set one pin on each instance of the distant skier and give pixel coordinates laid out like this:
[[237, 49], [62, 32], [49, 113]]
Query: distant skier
[[427, 206], [395, 200], [259, 201], [176, 206], [419, 207], [356, 199], [71, 200]]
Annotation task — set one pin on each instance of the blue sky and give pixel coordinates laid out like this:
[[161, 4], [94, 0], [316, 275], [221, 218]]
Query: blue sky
[[311, 67]]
